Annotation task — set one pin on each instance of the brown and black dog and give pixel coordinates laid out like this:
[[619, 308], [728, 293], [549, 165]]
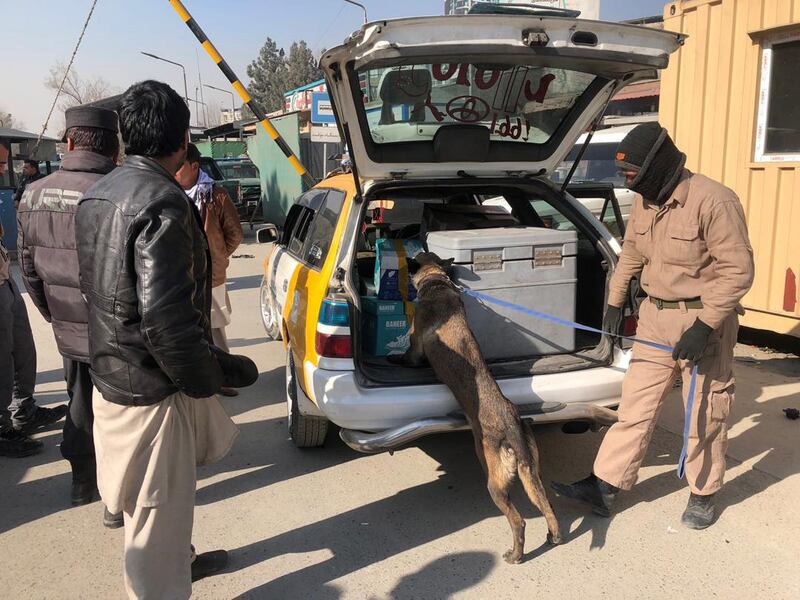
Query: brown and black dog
[[503, 442]]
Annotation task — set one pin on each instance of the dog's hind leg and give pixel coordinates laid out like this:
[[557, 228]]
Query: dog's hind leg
[[500, 478], [531, 479]]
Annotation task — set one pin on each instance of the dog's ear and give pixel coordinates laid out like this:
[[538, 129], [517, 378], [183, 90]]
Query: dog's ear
[[426, 258], [446, 263]]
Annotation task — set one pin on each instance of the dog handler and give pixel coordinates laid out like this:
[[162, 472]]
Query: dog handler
[[687, 241]]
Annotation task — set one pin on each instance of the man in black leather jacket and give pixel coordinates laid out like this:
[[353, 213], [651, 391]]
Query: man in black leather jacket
[[145, 272]]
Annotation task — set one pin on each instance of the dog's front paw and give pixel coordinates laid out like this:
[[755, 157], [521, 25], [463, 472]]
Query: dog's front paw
[[512, 558]]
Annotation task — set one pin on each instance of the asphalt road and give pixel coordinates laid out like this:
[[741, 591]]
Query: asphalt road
[[329, 523]]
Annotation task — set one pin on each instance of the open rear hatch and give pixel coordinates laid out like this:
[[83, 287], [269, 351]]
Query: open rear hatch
[[437, 110], [502, 95]]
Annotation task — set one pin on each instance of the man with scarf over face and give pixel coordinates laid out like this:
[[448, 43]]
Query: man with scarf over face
[[687, 241], [224, 232]]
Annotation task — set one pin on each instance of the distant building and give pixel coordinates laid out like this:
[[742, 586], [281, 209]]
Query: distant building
[[638, 101], [300, 98], [590, 9], [229, 115]]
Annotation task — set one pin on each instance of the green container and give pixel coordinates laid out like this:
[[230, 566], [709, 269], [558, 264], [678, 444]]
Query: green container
[[384, 327]]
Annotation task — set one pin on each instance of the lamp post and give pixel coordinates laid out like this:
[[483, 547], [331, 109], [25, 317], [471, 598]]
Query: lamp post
[[177, 64], [233, 104]]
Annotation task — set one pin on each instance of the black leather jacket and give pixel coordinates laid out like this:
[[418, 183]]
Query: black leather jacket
[[145, 272]]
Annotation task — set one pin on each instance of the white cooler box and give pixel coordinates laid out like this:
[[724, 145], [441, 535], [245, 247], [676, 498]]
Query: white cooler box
[[530, 266]]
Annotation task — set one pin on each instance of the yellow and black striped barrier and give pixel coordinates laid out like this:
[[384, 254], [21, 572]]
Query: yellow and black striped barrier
[[242, 91]]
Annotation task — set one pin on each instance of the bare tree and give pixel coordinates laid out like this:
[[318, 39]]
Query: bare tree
[[77, 90], [8, 120]]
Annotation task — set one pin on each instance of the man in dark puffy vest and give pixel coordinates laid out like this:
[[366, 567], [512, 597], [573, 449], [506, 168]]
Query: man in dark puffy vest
[[49, 263]]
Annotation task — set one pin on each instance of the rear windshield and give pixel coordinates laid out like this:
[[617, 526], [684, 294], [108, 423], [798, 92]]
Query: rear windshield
[[523, 104], [597, 165]]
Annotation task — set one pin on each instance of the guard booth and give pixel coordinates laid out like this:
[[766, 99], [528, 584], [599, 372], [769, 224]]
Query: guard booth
[[23, 144]]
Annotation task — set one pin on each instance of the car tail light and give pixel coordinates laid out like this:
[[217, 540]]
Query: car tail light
[[629, 326], [334, 339]]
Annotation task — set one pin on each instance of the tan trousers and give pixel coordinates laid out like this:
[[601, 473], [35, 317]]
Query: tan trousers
[[220, 316], [648, 381], [146, 468]]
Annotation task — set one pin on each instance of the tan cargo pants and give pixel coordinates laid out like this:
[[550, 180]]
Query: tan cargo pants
[[649, 379], [146, 468]]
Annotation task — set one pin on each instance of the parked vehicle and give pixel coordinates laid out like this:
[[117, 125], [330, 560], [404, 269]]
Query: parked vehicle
[[246, 173], [597, 165], [442, 114], [233, 187]]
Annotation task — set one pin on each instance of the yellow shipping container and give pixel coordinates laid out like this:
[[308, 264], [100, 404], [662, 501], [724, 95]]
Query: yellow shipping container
[[731, 100]]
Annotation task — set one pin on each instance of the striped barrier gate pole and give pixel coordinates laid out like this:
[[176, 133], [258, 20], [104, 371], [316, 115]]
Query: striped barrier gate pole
[[242, 91]]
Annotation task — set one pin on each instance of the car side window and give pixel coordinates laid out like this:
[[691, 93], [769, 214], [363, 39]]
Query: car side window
[[298, 236], [320, 234], [289, 224]]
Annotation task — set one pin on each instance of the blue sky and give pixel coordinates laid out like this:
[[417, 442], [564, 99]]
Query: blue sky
[[37, 33]]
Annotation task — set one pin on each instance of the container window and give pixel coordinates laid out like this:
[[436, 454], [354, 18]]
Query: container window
[[778, 131]]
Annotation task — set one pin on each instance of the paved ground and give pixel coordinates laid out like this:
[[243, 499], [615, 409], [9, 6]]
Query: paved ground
[[330, 523]]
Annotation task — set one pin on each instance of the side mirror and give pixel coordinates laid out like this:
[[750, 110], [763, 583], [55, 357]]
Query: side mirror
[[267, 235]]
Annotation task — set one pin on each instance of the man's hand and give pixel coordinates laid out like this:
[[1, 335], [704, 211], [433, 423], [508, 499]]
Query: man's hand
[[693, 342], [237, 371], [612, 319]]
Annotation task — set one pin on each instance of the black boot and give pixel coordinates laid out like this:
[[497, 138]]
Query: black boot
[[111, 520], [83, 492], [699, 512], [591, 491], [14, 444], [208, 563], [84, 482], [42, 417]]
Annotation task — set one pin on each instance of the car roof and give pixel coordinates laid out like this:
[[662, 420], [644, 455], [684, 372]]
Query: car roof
[[612, 135]]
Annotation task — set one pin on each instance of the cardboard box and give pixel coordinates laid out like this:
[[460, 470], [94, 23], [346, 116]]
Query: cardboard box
[[390, 261], [384, 327]]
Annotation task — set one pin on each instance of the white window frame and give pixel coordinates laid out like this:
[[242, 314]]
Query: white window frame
[[763, 99]]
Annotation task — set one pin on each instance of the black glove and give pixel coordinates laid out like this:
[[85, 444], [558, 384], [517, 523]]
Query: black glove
[[237, 371], [612, 319], [693, 342]]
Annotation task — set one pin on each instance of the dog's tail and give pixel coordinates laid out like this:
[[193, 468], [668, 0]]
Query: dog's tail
[[528, 471]]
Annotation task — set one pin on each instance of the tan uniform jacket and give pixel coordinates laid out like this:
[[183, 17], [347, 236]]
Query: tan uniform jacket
[[695, 245]]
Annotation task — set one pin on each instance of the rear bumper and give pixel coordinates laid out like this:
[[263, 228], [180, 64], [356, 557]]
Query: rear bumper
[[339, 397], [370, 443]]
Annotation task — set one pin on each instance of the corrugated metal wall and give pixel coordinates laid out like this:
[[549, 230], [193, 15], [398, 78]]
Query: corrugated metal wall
[[280, 183], [708, 103]]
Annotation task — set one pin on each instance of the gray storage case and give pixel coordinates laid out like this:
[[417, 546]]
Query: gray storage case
[[531, 266]]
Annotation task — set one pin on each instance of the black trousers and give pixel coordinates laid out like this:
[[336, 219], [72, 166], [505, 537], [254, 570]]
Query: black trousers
[[17, 359], [78, 444]]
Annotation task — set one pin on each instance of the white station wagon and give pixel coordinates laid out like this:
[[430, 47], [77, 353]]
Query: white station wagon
[[442, 115]]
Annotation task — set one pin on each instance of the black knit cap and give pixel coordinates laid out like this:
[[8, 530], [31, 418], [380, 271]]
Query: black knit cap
[[649, 150]]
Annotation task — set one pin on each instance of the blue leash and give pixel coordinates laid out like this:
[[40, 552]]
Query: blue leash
[[566, 323]]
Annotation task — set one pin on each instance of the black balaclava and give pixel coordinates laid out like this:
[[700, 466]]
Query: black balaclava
[[649, 150]]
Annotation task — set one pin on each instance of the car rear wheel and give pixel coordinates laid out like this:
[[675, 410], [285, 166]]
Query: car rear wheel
[[268, 318], [306, 431]]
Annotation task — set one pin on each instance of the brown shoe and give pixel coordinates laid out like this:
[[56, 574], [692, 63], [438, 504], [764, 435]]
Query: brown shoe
[[230, 392]]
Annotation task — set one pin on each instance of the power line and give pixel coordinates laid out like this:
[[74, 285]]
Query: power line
[[66, 74]]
